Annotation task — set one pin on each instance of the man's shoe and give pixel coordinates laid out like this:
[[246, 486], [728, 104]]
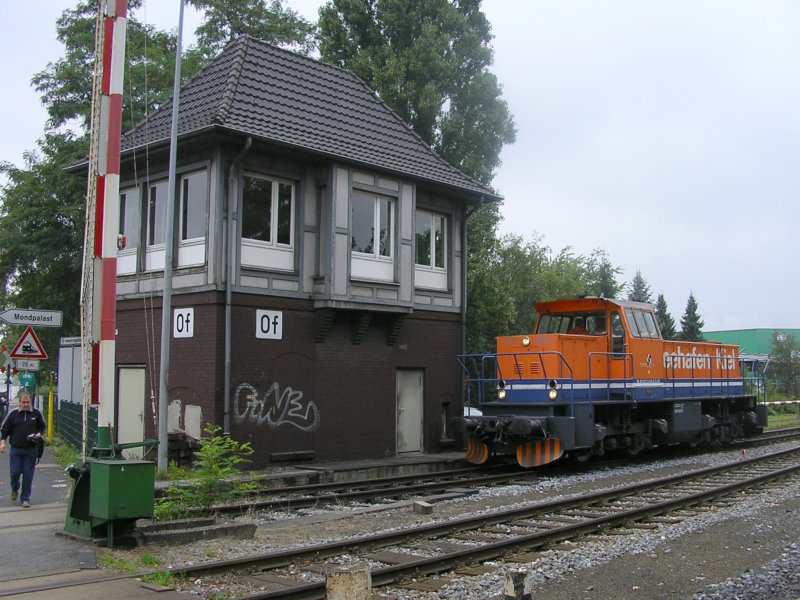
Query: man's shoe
[[13, 495], [26, 504]]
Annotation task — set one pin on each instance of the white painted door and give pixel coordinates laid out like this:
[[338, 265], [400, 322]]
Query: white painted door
[[409, 410], [131, 409]]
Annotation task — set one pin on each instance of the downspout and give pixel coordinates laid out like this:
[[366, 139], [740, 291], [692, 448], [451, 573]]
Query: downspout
[[464, 274], [226, 418]]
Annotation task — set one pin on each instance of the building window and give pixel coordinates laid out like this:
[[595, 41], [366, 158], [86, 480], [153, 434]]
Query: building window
[[430, 249], [268, 209], [129, 211], [157, 213], [194, 205], [193, 219], [372, 236]]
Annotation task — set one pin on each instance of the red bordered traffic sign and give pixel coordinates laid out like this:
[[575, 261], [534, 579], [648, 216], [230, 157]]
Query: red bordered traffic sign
[[28, 346]]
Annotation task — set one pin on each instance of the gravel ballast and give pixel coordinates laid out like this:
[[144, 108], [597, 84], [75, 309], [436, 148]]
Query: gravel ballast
[[749, 549]]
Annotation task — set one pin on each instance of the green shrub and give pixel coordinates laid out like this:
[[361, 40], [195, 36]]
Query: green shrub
[[214, 478]]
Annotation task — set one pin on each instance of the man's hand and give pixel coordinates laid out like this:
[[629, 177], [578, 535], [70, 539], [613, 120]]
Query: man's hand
[[2, 446]]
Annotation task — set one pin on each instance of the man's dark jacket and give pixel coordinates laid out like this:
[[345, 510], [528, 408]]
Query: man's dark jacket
[[19, 424]]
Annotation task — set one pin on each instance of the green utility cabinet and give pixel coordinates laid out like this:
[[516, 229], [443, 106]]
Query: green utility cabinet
[[121, 489], [108, 496]]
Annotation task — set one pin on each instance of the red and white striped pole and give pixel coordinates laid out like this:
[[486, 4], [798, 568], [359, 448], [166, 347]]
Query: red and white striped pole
[[106, 218]]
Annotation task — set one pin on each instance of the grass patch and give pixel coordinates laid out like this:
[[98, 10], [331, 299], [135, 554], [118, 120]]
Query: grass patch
[[64, 453], [163, 578], [783, 420], [115, 563]]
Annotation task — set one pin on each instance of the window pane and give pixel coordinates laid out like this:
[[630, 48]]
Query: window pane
[[363, 224], [422, 225], [157, 213], [439, 249], [652, 329], [632, 324], [640, 324], [129, 217], [257, 209], [385, 226], [193, 206], [285, 213]]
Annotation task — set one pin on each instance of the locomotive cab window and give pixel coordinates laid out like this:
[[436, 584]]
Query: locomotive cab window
[[642, 323], [617, 335], [578, 323]]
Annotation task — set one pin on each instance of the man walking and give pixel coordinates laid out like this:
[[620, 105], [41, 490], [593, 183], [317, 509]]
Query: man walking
[[23, 428]]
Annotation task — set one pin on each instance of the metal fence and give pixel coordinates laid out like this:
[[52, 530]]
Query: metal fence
[[68, 423]]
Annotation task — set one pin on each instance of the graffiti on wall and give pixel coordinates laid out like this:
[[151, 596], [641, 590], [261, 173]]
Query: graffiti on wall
[[276, 407]]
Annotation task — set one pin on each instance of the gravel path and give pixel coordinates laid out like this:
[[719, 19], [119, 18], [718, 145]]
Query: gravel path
[[750, 550]]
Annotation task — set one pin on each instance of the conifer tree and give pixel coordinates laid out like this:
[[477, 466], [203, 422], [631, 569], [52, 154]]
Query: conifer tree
[[665, 321], [640, 289], [691, 324]]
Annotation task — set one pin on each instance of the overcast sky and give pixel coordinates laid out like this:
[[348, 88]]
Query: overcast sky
[[665, 132]]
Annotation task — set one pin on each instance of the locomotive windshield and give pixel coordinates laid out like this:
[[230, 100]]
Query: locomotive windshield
[[580, 322]]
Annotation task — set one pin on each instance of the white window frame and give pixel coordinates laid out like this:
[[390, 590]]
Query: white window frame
[[129, 225], [429, 275], [192, 251], [374, 265], [155, 252], [272, 255]]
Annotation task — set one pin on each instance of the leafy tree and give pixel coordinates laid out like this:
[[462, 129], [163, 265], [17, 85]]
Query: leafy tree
[[271, 22], [41, 234], [640, 289], [665, 321], [785, 363], [691, 324], [602, 276], [429, 60]]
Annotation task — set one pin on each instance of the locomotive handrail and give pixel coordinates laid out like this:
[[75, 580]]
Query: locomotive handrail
[[609, 356], [479, 362]]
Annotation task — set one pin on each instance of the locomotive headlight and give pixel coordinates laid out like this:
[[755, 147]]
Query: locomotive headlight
[[501, 394], [552, 394], [526, 341]]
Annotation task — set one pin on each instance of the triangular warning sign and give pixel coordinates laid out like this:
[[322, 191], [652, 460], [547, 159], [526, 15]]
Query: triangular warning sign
[[28, 346]]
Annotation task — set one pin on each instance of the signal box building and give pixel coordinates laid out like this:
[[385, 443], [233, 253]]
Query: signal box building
[[318, 268]]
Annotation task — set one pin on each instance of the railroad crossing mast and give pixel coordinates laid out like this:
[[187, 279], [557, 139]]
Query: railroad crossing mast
[[99, 277]]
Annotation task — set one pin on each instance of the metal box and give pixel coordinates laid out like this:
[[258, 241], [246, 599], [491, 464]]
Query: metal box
[[121, 489]]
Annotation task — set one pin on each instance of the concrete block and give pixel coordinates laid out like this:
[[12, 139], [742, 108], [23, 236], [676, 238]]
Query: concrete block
[[352, 583], [422, 508], [517, 585]]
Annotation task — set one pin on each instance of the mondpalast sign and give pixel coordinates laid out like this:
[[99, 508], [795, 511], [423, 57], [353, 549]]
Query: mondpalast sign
[[32, 316]]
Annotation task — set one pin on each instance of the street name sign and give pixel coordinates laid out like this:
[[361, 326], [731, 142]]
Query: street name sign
[[32, 316]]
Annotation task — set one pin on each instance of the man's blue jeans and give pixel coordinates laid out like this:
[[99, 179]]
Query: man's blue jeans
[[23, 463]]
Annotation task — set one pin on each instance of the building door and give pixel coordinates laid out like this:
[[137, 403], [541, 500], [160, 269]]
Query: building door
[[409, 410], [131, 396]]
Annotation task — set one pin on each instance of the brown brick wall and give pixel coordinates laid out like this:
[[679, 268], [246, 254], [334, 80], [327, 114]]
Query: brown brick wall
[[295, 398]]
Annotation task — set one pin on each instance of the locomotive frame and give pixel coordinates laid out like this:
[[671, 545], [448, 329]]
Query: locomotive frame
[[596, 375]]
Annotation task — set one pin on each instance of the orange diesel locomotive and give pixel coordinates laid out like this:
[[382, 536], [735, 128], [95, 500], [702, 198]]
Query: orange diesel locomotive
[[596, 375]]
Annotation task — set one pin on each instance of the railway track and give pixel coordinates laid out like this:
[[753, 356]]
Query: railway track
[[366, 490], [398, 556], [440, 547]]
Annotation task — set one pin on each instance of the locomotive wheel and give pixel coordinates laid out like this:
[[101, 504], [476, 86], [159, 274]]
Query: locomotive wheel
[[582, 456], [633, 451]]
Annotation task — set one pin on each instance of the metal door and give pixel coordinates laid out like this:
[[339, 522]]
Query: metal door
[[131, 409], [409, 410]]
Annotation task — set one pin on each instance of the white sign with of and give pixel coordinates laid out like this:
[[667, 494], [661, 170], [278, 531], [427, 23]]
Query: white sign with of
[[183, 323], [26, 364], [269, 325]]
